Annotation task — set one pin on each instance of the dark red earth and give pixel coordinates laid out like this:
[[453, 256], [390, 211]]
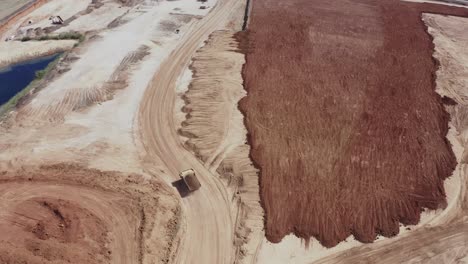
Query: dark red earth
[[343, 118]]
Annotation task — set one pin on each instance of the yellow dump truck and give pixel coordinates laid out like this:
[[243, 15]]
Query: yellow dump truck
[[190, 179]]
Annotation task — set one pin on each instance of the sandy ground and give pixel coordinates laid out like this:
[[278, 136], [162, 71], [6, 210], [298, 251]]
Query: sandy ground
[[441, 236], [14, 51], [26, 50], [68, 213], [127, 66], [8, 7], [209, 206], [216, 133], [212, 98], [77, 15], [119, 116], [85, 112]]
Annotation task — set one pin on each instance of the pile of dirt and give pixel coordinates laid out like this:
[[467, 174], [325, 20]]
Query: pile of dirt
[[213, 123], [344, 121], [216, 133], [68, 214]]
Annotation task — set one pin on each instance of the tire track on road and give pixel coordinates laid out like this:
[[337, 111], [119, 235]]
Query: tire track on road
[[209, 233]]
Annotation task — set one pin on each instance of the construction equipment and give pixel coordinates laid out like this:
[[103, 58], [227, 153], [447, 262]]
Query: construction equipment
[[190, 180], [56, 20]]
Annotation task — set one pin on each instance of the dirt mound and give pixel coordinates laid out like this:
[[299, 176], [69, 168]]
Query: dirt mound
[[216, 133], [345, 124], [66, 213]]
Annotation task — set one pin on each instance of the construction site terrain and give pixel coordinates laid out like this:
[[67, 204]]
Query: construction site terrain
[[229, 131]]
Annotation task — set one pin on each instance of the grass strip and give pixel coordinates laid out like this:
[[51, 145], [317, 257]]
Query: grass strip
[[62, 36]]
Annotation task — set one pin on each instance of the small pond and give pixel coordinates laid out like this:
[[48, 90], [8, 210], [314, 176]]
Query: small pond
[[16, 77]]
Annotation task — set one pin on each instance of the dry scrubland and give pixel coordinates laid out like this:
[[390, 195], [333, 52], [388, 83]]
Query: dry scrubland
[[344, 121]]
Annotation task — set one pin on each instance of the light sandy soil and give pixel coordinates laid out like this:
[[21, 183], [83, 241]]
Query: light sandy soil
[[76, 14], [86, 113], [212, 99], [207, 211], [12, 52], [91, 115], [441, 236], [8, 7], [63, 8], [216, 134], [100, 18], [89, 82]]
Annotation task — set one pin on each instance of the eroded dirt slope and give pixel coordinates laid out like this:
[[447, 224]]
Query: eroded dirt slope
[[345, 124], [216, 133]]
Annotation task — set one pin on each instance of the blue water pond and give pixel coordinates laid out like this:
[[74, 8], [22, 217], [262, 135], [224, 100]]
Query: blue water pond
[[16, 77]]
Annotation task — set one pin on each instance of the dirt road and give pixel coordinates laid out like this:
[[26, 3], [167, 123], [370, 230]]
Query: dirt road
[[209, 233]]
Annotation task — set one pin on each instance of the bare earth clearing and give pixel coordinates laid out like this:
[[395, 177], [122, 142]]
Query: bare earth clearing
[[8, 7], [216, 133], [442, 239], [111, 107], [64, 213], [366, 149], [88, 158], [84, 113]]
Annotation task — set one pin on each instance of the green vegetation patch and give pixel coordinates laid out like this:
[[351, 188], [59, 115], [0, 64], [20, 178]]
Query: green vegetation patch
[[62, 36]]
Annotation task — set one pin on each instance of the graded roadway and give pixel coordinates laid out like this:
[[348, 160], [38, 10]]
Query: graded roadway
[[209, 233]]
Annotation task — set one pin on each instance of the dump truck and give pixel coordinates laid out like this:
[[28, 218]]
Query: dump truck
[[190, 180]]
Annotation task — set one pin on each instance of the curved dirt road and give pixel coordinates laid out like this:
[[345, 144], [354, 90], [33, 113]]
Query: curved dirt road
[[209, 233]]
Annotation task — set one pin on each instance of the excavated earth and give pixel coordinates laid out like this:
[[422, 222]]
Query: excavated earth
[[344, 121], [444, 238], [213, 129], [65, 213]]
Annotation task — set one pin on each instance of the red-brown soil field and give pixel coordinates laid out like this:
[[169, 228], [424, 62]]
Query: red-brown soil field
[[343, 119]]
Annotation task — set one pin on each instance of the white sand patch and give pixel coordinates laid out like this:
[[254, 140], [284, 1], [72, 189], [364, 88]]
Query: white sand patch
[[63, 8], [98, 19], [8, 7], [108, 126], [12, 52]]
